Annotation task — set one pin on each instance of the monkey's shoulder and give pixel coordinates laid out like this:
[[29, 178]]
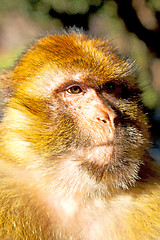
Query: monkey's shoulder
[[22, 213], [143, 217]]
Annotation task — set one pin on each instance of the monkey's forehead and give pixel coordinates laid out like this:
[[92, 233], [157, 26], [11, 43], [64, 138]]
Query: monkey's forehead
[[86, 53], [73, 53]]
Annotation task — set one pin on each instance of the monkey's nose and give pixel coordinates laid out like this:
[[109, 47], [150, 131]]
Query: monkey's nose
[[107, 119], [106, 116]]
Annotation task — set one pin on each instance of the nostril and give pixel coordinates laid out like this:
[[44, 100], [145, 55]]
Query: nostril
[[116, 121], [102, 120]]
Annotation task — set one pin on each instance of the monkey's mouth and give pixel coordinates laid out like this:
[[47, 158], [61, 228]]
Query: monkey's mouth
[[100, 154]]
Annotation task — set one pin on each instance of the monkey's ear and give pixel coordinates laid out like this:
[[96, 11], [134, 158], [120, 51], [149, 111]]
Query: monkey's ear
[[6, 85]]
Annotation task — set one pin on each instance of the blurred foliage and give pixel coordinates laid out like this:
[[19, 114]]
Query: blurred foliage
[[6, 61], [154, 4], [68, 6], [13, 5]]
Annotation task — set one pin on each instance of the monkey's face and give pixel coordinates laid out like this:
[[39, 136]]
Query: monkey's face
[[99, 125], [85, 104], [109, 129]]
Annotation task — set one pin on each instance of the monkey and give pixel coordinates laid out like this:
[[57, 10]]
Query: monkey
[[74, 140]]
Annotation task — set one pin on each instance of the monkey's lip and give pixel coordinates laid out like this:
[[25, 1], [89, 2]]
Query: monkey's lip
[[100, 154]]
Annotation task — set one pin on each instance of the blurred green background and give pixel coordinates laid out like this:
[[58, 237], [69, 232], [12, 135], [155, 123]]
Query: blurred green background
[[132, 25]]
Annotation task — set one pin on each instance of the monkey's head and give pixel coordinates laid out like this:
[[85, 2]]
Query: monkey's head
[[76, 105]]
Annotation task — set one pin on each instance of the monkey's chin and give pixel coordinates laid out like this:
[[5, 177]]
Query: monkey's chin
[[100, 155]]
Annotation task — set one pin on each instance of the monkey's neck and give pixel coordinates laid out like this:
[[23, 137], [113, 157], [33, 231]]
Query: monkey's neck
[[89, 218]]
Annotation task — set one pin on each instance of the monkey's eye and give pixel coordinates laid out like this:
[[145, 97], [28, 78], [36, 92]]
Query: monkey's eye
[[109, 87], [117, 90], [74, 90]]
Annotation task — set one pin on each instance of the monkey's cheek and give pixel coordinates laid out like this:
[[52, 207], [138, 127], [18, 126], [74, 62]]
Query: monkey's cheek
[[100, 155]]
